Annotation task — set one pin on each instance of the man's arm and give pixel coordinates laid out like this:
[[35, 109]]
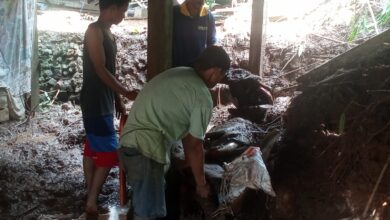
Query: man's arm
[[94, 44], [194, 154], [120, 108]]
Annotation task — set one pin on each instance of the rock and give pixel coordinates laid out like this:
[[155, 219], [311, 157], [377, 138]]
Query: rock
[[71, 58], [79, 52], [47, 73], [75, 98], [47, 52], [65, 106], [46, 63], [126, 67], [72, 64], [57, 72], [71, 70], [52, 82], [57, 52], [70, 52]]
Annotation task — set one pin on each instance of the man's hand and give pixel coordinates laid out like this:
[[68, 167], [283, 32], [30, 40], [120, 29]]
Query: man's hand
[[120, 108], [251, 151], [194, 154]]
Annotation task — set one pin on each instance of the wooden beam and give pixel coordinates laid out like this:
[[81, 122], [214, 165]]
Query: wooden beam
[[256, 50], [159, 36], [376, 48], [35, 70]]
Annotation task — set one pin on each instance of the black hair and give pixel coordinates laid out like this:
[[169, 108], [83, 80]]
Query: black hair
[[104, 4], [213, 56]]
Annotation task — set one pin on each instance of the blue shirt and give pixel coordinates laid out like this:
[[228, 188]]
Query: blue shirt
[[191, 34]]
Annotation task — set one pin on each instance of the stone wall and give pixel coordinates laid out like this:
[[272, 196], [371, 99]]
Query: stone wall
[[60, 59]]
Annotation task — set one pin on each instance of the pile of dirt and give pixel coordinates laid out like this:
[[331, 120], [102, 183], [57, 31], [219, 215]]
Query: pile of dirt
[[41, 167], [336, 152], [40, 163]]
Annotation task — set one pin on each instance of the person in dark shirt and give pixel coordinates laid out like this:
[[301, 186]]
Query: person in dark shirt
[[193, 31], [99, 93]]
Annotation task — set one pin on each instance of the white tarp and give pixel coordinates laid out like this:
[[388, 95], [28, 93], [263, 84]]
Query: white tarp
[[17, 22]]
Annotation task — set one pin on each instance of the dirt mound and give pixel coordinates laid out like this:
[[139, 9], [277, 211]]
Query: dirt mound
[[337, 154]]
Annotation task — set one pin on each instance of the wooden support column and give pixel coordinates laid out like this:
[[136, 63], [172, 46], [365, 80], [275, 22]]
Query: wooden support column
[[35, 70], [256, 50], [159, 36]]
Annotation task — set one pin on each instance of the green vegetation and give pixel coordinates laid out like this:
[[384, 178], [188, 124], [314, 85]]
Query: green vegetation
[[384, 18], [363, 22], [210, 3]]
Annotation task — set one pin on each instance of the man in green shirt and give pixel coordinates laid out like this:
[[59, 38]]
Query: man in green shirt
[[175, 105]]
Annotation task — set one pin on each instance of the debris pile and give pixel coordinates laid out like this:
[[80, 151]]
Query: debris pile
[[337, 131]]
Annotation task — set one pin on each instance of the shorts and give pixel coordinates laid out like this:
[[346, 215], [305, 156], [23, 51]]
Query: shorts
[[102, 141], [146, 178]]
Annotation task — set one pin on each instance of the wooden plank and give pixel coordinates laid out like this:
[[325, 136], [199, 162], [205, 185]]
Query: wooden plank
[[35, 70], [376, 50], [256, 40]]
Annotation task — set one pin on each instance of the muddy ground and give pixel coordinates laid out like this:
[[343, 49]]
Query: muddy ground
[[40, 157]]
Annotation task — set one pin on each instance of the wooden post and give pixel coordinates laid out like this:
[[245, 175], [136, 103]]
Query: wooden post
[[35, 70], [159, 36], [256, 50]]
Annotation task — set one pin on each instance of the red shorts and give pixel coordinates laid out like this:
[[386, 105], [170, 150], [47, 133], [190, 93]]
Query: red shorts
[[101, 159]]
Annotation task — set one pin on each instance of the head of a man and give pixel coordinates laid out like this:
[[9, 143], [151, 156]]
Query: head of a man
[[115, 8], [194, 6], [212, 65]]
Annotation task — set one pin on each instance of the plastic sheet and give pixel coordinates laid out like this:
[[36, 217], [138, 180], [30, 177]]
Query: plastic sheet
[[245, 172], [17, 22]]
